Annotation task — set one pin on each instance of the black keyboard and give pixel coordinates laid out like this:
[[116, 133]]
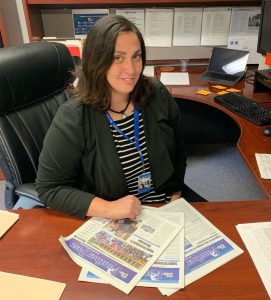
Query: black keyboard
[[245, 107]]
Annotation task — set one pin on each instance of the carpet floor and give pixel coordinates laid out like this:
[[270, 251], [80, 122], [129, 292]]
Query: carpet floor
[[218, 173]]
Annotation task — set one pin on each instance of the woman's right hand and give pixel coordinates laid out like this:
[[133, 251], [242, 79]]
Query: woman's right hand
[[126, 207]]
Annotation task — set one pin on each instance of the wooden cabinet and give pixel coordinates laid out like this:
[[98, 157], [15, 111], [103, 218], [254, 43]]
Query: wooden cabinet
[[32, 8], [143, 2], [3, 38], [2, 177]]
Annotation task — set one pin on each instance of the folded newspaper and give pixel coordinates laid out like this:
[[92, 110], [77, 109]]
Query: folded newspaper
[[168, 269], [197, 249], [206, 247], [122, 251]]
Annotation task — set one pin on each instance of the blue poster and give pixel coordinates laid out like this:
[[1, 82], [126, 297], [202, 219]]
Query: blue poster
[[83, 20]]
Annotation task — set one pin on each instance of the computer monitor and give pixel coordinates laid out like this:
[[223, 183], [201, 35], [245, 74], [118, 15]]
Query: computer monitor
[[264, 39]]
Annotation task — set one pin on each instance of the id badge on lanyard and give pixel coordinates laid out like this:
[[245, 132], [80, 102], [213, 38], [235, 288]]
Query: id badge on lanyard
[[144, 179], [144, 183]]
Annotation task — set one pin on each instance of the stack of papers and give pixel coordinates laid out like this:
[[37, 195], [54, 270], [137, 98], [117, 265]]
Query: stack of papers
[[257, 238], [7, 219], [167, 247]]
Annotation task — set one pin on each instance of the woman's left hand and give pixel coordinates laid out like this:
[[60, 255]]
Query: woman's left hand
[[175, 196]]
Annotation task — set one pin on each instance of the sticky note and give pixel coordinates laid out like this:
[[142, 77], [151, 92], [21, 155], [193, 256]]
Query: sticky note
[[222, 92], [204, 92], [233, 90], [219, 87]]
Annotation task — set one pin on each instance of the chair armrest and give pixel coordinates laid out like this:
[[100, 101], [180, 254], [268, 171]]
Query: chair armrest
[[28, 190], [28, 197]]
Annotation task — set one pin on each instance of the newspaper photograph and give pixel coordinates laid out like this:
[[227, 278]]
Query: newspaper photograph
[[167, 270], [206, 247], [121, 251]]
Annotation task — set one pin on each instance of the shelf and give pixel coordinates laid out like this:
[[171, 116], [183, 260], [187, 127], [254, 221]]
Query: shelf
[[144, 2], [33, 8]]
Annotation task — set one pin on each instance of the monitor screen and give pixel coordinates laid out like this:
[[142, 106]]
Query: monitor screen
[[264, 40]]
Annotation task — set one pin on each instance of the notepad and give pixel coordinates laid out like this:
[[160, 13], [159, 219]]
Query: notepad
[[14, 287], [264, 164], [174, 78], [7, 219]]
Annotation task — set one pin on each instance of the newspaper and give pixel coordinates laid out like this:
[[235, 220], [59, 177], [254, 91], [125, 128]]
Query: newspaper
[[121, 251], [168, 270], [206, 247]]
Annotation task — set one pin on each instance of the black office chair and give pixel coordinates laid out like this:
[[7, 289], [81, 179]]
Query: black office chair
[[33, 84]]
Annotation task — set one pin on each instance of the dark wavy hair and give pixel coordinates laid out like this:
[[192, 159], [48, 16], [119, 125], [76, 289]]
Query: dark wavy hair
[[93, 88]]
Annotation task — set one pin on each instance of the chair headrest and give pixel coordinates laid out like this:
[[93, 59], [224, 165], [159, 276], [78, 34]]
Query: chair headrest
[[30, 72]]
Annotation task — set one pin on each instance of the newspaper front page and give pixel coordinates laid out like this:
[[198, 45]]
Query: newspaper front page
[[206, 247], [168, 269], [121, 251]]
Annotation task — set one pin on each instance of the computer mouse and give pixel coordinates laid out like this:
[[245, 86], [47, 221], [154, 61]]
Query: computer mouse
[[267, 131]]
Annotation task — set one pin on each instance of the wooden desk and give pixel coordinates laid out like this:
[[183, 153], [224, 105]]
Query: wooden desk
[[31, 248], [2, 30], [251, 139]]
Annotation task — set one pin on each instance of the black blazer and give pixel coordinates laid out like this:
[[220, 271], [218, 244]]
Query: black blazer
[[79, 159]]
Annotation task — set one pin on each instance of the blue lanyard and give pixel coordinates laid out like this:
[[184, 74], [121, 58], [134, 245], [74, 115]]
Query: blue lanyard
[[136, 132]]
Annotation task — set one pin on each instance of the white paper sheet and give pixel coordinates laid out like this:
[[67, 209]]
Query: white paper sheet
[[158, 27], [137, 16], [264, 164], [215, 25], [187, 26], [174, 78], [244, 30], [245, 21], [257, 238]]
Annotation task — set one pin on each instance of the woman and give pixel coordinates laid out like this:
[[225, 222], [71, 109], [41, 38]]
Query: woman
[[120, 138]]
